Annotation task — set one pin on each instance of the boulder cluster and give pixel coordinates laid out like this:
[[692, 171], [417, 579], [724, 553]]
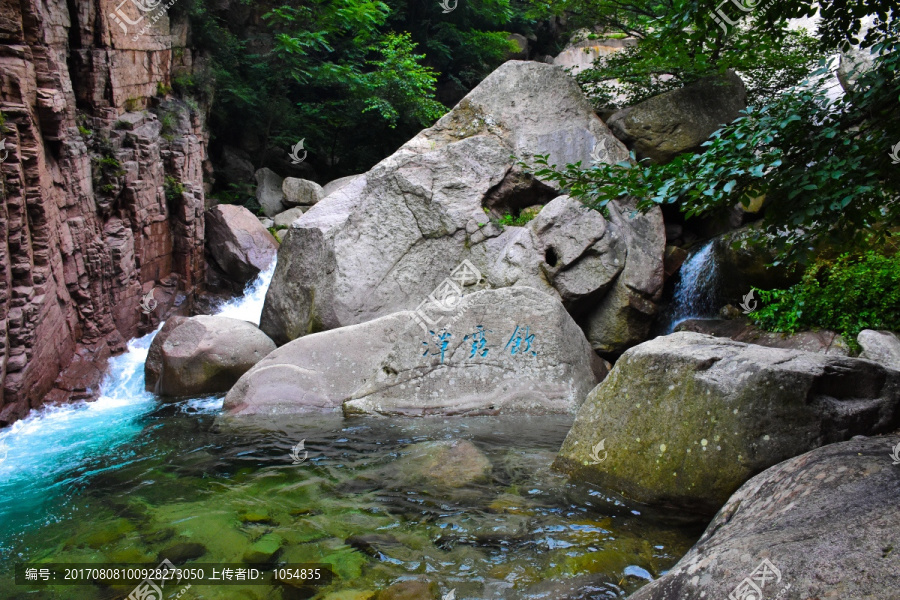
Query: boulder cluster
[[405, 291]]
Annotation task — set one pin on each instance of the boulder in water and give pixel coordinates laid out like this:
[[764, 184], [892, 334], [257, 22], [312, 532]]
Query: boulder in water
[[240, 246], [387, 239], [821, 525], [203, 355], [415, 589], [685, 419], [512, 350]]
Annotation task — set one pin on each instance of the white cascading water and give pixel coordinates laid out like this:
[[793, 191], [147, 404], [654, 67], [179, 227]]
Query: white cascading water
[[695, 293], [51, 444]]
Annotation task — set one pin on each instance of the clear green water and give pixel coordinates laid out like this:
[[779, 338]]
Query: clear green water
[[189, 477], [127, 479]]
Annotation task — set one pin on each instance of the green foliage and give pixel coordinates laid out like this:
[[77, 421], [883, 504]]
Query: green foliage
[[243, 194], [400, 85], [354, 78], [665, 61], [678, 43], [169, 122], [84, 131], [847, 295], [163, 89], [517, 220], [823, 167], [173, 188]]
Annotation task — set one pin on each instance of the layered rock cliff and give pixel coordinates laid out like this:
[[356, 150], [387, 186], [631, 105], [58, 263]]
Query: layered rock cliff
[[102, 189]]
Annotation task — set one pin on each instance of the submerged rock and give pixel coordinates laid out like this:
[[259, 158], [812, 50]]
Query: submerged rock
[[415, 589], [685, 419], [512, 350], [385, 240], [182, 552], [821, 525], [239, 244], [203, 355]]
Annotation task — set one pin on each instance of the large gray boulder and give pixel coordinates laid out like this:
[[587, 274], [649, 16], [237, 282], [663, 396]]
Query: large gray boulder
[[203, 355], [238, 243], [880, 346], [387, 239], [821, 525], [333, 186], [512, 350], [268, 192], [301, 192], [687, 418], [669, 124]]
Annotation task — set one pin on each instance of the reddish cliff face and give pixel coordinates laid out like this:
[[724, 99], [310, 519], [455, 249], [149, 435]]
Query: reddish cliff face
[[102, 189]]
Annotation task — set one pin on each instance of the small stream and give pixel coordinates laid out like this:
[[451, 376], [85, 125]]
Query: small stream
[[131, 479]]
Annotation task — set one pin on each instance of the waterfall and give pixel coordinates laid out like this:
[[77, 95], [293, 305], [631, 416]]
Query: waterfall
[[57, 443], [696, 293]]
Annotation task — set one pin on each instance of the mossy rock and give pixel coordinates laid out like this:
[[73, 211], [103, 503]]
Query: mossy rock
[[109, 534], [264, 549]]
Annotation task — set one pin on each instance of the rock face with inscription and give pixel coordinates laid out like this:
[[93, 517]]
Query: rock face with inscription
[[821, 525], [386, 239], [687, 418], [512, 350]]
